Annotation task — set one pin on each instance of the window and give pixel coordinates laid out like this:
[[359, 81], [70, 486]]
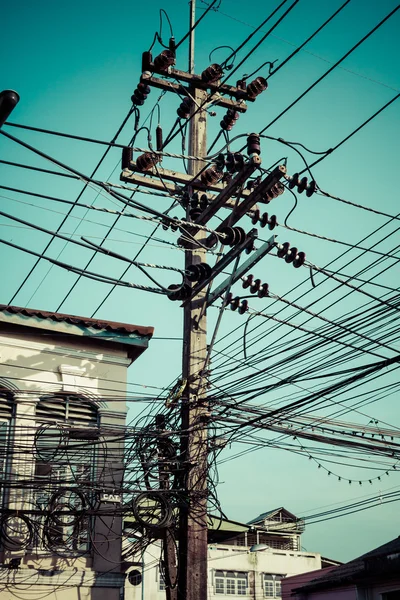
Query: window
[[6, 414], [11, 532], [272, 585], [66, 442], [232, 583]]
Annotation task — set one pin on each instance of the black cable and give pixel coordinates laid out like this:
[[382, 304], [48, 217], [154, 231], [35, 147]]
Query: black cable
[[308, 39], [70, 136], [199, 108], [209, 7], [14, 164], [78, 271], [350, 135], [332, 68], [77, 199], [128, 267]]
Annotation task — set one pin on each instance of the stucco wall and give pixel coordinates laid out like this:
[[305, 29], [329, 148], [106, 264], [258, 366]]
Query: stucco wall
[[32, 364], [229, 558]]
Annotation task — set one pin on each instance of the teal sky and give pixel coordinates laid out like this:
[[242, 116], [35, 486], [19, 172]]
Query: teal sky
[[76, 65]]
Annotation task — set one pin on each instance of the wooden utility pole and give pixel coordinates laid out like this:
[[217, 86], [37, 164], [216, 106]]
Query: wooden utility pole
[[193, 546], [193, 539], [230, 194]]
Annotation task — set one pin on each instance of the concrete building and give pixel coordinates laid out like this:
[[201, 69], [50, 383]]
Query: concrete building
[[248, 560], [372, 576], [62, 435]]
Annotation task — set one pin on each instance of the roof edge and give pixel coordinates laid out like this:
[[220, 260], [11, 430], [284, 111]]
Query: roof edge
[[21, 316]]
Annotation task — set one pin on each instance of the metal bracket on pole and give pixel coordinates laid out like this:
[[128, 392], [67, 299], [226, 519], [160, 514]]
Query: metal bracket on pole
[[256, 196], [222, 264], [231, 189], [255, 257]]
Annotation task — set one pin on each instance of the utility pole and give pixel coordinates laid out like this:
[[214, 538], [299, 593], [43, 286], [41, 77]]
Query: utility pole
[[228, 193], [193, 546]]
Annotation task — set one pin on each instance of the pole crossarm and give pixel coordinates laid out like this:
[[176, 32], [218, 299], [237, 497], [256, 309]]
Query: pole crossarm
[[195, 81], [221, 265], [232, 189], [257, 195], [180, 89], [254, 258], [155, 182]]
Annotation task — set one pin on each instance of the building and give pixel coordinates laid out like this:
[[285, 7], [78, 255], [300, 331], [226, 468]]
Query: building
[[372, 576], [248, 560], [62, 437]]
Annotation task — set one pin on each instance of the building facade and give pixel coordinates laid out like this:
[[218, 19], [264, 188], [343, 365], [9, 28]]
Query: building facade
[[62, 439], [244, 560]]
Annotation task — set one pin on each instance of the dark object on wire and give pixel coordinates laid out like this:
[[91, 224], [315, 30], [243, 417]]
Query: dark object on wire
[[8, 101]]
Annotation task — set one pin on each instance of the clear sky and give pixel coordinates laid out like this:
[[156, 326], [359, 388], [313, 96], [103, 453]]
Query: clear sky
[[75, 66]]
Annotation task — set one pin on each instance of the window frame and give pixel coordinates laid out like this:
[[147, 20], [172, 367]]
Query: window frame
[[275, 581], [7, 416], [230, 583], [65, 471]]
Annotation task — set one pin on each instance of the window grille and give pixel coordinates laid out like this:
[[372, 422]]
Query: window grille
[[272, 585], [65, 469], [6, 414]]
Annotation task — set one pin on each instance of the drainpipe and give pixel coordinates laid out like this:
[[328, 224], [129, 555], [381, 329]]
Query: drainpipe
[[142, 556]]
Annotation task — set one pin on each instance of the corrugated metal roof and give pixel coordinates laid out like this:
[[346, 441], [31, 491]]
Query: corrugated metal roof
[[350, 572], [220, 524], [271, 513], [79, 321]]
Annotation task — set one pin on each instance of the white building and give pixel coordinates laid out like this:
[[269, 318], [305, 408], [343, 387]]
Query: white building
[[62, 427], [246, 560]]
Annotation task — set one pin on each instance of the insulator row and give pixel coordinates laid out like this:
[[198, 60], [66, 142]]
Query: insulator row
[[229, 119], [212, 74], [264, 220], [255, 88], [302, 184], [146, 161], [195, 213], [255, 285], [164, 60], [198, 203], [171, 223], [159, 138], [185, 199], [184, 109], [233, 235], [236, 304], [234, 162], [199, 200], [198, 272], [127, 157], [140, 94], [179, 292], [291, 255], [276, 190], [253, 144], [211, 175]]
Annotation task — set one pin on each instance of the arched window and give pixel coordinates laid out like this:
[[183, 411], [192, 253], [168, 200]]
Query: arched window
[[66, 448]]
